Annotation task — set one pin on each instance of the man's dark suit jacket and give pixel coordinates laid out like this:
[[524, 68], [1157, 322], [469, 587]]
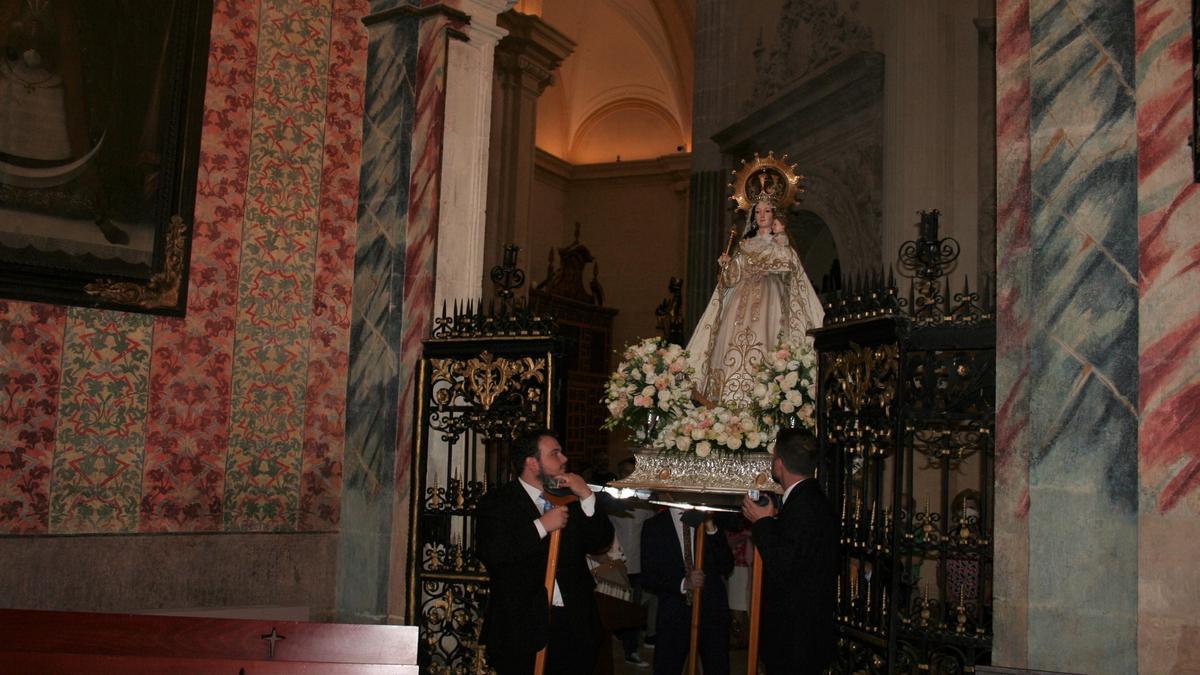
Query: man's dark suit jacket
[[799, 592], [662, 573], [516, 623]]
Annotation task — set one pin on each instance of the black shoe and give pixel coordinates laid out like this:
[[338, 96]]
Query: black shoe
[[636, 659], [648, 641]]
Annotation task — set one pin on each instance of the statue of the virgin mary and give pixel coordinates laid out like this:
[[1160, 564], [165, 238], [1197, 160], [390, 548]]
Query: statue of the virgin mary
[[762, 296]]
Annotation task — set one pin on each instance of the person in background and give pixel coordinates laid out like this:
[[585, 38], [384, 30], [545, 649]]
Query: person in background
[[960, 572], [668, 570], [627, 518]]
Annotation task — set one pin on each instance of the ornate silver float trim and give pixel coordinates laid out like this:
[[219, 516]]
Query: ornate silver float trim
[[680, 472]]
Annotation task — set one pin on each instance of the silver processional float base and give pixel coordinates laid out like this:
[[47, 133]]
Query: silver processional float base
[[713, 483]]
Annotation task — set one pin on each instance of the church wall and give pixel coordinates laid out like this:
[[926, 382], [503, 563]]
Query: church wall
[[634, 221], [119, 427], [633, 218], [1168, 343], [548, 224]]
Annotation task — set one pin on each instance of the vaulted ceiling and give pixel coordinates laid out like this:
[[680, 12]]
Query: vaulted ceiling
[[626, 91]]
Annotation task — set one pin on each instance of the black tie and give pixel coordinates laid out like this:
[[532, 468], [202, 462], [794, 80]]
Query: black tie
[[687, 547]]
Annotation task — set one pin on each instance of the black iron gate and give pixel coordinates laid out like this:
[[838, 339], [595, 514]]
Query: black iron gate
[[907, 415], [486, 375]]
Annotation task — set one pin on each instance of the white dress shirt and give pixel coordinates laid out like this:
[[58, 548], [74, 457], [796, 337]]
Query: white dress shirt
[[789, 491]]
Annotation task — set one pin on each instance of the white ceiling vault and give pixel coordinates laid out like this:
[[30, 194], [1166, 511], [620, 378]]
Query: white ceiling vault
[[626, 91]]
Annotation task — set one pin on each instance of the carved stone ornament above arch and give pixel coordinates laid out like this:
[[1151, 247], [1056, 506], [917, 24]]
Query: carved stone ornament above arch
[[831, 126], [809, 36], [842, 192]]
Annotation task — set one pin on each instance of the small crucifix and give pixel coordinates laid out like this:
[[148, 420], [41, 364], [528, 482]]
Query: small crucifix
[[271, 639]]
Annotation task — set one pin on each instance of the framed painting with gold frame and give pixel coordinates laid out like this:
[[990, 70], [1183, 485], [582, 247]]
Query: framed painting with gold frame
[[101, 103]]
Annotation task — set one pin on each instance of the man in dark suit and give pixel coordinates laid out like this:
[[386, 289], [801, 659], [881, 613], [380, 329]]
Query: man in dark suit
[[798, 544], [514, 524], [667, 547]]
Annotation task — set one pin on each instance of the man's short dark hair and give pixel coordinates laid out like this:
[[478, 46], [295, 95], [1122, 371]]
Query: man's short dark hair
[[799, 451], [526, 446]]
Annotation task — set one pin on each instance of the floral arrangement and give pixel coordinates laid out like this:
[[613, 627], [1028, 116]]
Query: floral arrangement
[[650, 393], [653, 383], [787, 387], [702, 430]]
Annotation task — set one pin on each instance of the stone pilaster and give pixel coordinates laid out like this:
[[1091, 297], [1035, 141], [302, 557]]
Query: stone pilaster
[[525, 63], [465, 146]]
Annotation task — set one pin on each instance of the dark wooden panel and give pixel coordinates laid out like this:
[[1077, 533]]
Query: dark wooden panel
[[203, 638], [41, 663]]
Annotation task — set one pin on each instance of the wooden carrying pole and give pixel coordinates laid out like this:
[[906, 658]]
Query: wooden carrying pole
[[539, 666], [698, 563], [755, 612], [555, 499]]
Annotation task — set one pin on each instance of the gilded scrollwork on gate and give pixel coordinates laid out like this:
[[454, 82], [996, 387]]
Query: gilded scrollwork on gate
[[859, 388], [491, 395], [452, 557], [450, 621]]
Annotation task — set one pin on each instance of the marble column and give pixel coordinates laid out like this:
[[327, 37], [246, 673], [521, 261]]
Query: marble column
[[713, 104], [377, 313], [525, 63], [1067, 494], [465, 146]]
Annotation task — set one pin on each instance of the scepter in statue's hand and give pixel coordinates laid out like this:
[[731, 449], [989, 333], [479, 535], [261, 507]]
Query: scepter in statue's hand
[[729, 244]]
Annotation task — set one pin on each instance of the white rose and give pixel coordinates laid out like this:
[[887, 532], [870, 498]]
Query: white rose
[[787, 408], [735, 443], [649, 390], [794, 397], [683, 443], [753, 439], [703, 449], [789, 382]]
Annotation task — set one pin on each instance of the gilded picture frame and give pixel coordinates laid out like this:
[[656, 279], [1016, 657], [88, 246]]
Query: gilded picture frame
[[101, 106]]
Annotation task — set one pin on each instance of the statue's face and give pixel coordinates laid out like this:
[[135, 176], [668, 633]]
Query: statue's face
[[764, 215]]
